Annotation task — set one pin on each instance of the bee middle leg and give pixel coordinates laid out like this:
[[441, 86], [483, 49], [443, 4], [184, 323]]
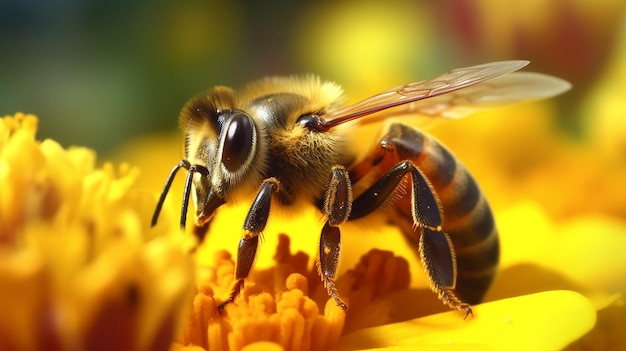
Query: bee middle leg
[[337, 206], [255, 222]]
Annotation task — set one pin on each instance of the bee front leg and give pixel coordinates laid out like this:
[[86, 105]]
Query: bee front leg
[[435, 248], [337, 207], [253, 227]]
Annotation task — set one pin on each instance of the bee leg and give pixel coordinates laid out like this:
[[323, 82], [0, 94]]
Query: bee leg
[[253, 227], [337, 206], [435, 248], [437, 255]]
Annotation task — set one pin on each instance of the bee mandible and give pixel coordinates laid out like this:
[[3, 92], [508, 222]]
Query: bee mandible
[[289, 138]]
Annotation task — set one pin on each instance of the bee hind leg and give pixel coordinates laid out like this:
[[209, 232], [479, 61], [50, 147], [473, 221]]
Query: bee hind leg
[[435, 248], [437, 255], [254, 224]]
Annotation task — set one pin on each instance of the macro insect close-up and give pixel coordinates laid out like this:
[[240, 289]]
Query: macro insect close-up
[[288, 139]]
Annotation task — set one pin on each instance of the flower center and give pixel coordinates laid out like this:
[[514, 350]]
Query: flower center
[[286, 304]]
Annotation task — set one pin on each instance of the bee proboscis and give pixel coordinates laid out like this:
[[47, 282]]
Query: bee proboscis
[[286, 138]]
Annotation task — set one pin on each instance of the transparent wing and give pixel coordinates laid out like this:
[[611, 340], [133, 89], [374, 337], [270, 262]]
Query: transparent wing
[[500, 91], [455, 93]]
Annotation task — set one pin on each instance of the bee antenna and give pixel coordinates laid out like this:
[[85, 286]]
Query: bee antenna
[[168, 183], [186, 193]]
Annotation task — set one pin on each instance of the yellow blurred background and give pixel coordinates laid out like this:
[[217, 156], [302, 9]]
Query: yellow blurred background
[[98, 73]]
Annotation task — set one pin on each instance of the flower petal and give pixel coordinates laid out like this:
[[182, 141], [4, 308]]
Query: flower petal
[[544, 321]]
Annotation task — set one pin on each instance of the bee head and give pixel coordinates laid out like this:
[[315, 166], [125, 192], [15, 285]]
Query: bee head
[[222, 149]]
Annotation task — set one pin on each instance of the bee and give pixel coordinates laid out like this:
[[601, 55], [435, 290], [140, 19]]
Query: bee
[[290, 138]]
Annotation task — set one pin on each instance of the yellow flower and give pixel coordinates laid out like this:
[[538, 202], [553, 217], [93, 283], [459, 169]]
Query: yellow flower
[[79, 266], [531, 305], [278, 310]]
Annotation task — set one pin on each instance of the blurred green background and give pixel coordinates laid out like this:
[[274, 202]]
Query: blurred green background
[[99, 73]]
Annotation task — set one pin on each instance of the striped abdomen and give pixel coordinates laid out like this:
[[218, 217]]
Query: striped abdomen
[[467, 218]]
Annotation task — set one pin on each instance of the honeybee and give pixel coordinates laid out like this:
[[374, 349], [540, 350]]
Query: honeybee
[[289, 138]]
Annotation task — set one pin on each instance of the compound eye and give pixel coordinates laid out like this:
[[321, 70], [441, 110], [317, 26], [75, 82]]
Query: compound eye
[[238, 143]]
